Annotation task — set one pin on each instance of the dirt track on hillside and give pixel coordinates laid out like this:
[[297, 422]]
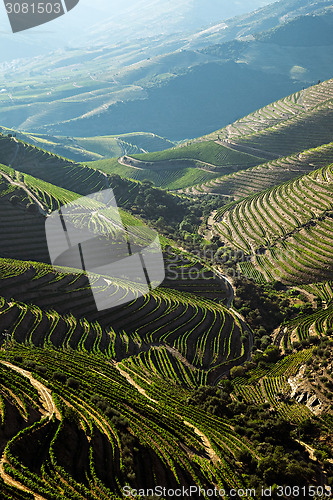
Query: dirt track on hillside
[[49, 409], [45, 394]]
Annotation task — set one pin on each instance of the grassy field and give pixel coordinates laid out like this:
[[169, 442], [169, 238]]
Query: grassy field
[[180, 167], [207, 152], [176, 177]]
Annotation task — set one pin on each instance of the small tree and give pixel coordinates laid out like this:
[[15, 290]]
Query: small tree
[[272, 353], [59, 376], [237, 371], [73, 383]]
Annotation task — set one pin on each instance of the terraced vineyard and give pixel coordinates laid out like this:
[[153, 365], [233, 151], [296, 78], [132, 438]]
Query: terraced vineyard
[[266, 117], [101, 417], [324, 291], [273, 387], [116, 414], [308, 327], [181, 166], [290, 224], [196, 382], [296, 122], [309, 130], [49, 167], [25, 202], [201, 331], [274, 137], [175, 175], [246, 182], [186, 314], [206, 152]]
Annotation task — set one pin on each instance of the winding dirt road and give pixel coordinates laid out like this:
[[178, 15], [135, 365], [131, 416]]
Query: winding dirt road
[[48, 410], [29, 193]]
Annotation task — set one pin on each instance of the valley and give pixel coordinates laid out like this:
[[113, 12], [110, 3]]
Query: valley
[[218, 140], [217, 348], [176, 85]]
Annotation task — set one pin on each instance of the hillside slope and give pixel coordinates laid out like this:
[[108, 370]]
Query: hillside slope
[[181, 166], [93, 148], [285, 231], [286, 128], [293, 124], [192, 306], [227, 71], [195, 383], [246, 182]]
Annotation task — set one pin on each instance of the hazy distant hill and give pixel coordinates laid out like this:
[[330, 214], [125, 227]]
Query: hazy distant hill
[[93, 148], [176, 86]]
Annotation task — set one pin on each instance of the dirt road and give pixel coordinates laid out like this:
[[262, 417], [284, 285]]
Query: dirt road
[[49, 409], [208, 447], [45, 394]]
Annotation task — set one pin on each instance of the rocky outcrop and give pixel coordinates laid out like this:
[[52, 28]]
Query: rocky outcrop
[[304, 393]]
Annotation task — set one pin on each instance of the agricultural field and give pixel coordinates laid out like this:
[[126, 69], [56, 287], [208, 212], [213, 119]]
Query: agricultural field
[[120, 414], [303, 116], [196, 302], [180, 167], [220, 376], [246, 182], [272, 145], [206, 152], [173, 176]]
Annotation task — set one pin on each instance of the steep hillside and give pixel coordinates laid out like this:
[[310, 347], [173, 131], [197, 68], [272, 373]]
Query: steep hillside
[[142, 386], [246, 182], [93, 148], [145, 426], [286, 231], [54, 180], [50, 312], [228, 70], [216, 382], [291, 125], [180, 167], [105, 415], [186, 315], [285, 128], [139, 107]]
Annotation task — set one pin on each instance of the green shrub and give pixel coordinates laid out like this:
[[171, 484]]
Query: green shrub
[[73, 383], [59, 376]]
